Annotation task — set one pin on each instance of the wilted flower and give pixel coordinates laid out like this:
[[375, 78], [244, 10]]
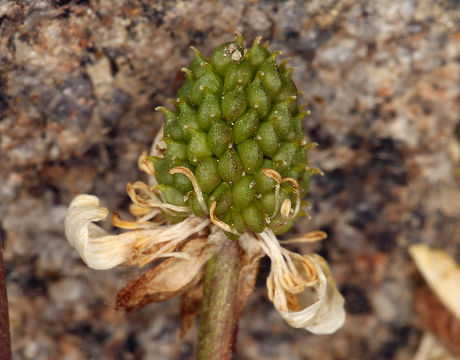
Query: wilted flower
[[300, 286], [230, 163]]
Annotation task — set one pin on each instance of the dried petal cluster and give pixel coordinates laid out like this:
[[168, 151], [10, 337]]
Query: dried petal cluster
[[300, 286], [235, 145], [232, 162]]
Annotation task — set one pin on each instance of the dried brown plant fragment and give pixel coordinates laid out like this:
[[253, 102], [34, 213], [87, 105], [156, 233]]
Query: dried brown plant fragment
[[170, 278]]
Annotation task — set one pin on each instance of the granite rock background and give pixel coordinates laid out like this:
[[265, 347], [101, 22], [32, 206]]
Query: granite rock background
[[78, 84]]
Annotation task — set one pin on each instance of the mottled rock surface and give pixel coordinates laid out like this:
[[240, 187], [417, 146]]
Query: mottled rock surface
[[78, 84]]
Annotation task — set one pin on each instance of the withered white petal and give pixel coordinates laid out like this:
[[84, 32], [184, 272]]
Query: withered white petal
[[302, 289], [100, 250], [327, 303], [442, 274]]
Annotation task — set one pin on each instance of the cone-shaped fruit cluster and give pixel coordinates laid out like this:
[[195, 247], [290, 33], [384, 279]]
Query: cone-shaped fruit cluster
[[237, 133]]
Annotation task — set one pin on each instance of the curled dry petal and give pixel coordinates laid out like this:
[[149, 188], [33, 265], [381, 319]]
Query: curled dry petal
[[310, 237], [142, 196], [187, 172], [219, 223], [302, 289], [442, 274], [97, 248], [100, 250], [170, 278], [322, 305], [130, 225], [138, 212], [145, 165]]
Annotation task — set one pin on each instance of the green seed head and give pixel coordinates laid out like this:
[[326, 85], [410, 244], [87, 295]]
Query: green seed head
[[237, 138]]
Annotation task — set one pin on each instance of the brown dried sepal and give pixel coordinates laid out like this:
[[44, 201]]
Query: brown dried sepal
[[437, 319], [170, 278], [247, 278]]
